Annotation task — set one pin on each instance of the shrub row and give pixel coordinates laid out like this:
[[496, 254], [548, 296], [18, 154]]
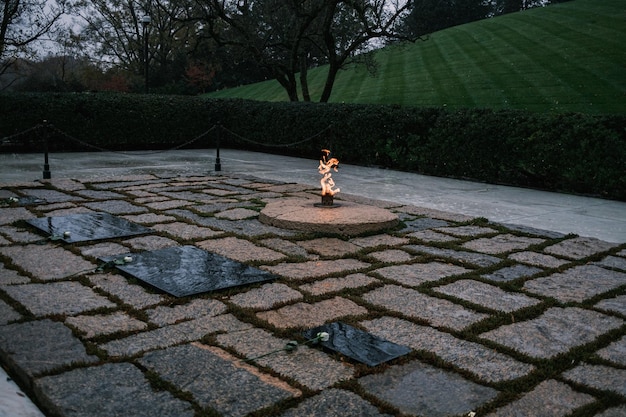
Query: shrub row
[[571, 152]]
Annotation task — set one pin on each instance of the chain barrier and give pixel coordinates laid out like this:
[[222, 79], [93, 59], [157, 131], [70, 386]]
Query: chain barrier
[[51, 128], [277, 145], [17, 135]]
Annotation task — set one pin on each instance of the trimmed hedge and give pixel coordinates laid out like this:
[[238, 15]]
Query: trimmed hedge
[[577, 153]]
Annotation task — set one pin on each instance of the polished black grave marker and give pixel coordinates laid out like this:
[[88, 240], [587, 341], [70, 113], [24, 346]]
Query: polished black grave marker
[[358, 345], [187, 270], [87, 226]]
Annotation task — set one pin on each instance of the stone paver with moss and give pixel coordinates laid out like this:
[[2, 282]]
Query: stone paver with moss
[[500, 321]]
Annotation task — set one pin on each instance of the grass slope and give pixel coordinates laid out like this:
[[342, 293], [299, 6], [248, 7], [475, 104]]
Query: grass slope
[[565, 57]]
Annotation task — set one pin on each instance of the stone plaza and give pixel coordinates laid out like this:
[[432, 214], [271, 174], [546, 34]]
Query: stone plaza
[[500, 320]]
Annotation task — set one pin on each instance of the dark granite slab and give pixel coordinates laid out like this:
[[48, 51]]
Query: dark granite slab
[[187, 270], [87, 227], [357, 344]]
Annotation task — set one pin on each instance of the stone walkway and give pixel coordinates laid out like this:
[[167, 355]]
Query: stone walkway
[[500, 321]]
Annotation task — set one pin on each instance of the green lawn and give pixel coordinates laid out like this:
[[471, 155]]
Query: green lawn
[[565, 57]]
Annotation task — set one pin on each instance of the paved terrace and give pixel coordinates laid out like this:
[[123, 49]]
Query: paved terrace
[[501, 321]]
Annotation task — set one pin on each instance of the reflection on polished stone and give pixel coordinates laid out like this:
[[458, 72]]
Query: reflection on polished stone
[[87, 226], [187, 270], [358, 344]]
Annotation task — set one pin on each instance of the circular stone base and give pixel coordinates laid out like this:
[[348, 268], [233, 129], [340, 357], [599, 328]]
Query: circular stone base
[[347, 219]]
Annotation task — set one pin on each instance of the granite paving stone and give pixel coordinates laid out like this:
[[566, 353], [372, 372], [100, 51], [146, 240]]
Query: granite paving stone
[[163, 315], [237, 214], [487, 295], [501, 244], [266, 296], [511, 273], [13, 214], [548, 234], [286, 247], [310, 315], [186, 231], [613, 262], [431, 236], [599, 377], [69, 211], [10, 276], [131, 294], [47, 262], [19, 235], [103, 249], [329, 285], [613, 412], [577, 284], [35, 347], [100, 194], [615, 305], [391, 256], [240, 250], [435, 214], [313, 269], [187, 331], [537, 259], [327, 246], [229, 388], [7, 314], [249, 228], [554, 332], [57, 298], [411, 303], [113, 389], [550, 398], [335, 403], [168, 204], [478, 359], [615, 352], [309, 366], [4, 241], [66, 184], [424, 223], [418, 273], [466, 231], [579, 247], [471, 258], [116, 207], [419, 389], [149, 218], [50, 196], [378, 240], [147, 243], [105, 324]]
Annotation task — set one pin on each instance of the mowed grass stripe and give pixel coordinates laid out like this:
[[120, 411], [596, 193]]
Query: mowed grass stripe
[[562, 79], [564, 57]]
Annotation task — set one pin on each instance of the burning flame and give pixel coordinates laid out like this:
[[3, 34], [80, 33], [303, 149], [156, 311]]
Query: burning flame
[[324, 168]]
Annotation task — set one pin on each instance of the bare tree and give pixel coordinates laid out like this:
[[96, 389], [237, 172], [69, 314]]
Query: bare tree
[[24, 22], [289, 36], [116, 33]]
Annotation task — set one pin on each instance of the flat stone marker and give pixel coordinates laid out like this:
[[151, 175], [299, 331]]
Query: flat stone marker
[[187, 270], [358, 345], [87, 226]]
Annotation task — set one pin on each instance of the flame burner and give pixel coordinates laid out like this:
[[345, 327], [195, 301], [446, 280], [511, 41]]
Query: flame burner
[[328, 184]]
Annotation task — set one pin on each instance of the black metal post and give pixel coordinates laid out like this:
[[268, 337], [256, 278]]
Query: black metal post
[[218, 163], [46, 165], [145, 21]]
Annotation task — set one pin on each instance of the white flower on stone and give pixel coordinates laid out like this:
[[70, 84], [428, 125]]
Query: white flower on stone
[[128, 259], [13, 199], [471, 414], [66, 234], [323, 336]]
